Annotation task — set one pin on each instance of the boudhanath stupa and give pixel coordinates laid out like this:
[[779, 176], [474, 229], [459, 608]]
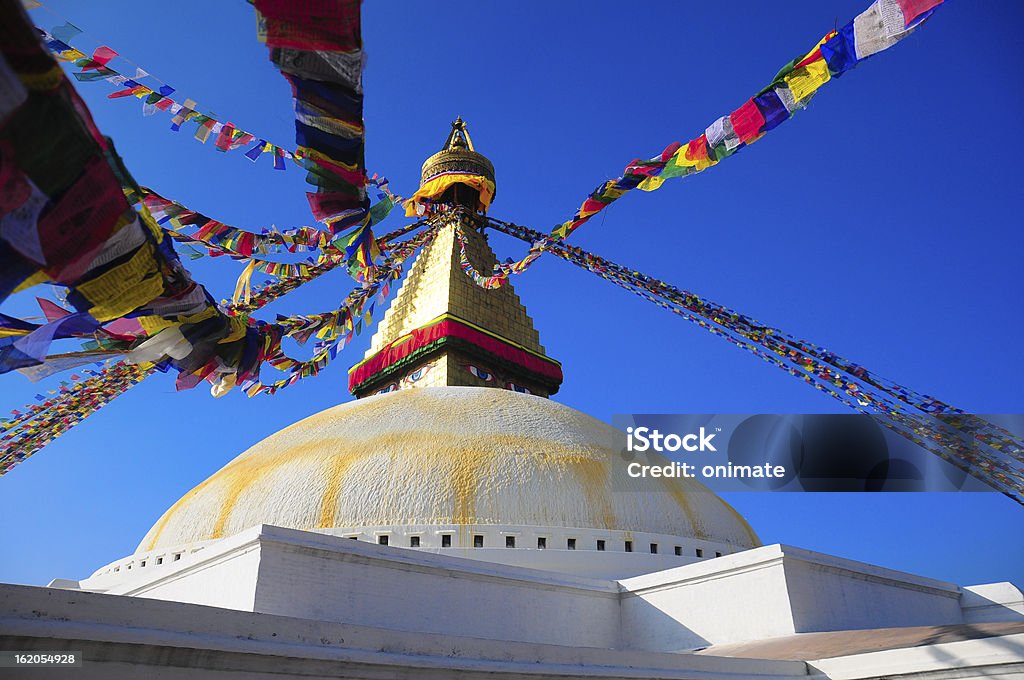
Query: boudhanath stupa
[[455, 521]]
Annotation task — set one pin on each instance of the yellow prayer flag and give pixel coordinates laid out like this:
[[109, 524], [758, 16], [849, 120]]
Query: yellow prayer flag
[[682, 160], [651, 183], [153, 324], [243, 287], [239, 325], [35, 279], [125, 287], [804, 81], [151, 224], [45, 81]]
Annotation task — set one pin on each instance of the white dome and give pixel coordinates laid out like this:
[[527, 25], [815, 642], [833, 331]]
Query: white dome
[[443, 456]]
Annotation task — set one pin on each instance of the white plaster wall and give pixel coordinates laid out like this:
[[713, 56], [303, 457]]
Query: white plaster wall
[[585, 560], [133, 638], [772, 591], [729, 599], [588, 563], [224, 580], [137, 638], [138, 567], [830, 593], [992, 602], [762, 593], [331, 579]]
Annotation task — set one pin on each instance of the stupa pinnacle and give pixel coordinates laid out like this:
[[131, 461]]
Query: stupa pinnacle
[[442, 329]]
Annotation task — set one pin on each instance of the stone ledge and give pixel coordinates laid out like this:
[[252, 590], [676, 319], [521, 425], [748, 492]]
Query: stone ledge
[[44, 615], [771, 555]]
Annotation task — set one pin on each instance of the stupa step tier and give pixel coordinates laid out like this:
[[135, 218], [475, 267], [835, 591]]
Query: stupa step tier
[[498, 360]]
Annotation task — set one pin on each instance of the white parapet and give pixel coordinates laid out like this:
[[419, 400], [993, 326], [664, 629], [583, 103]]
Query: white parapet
[[772, 591], [129, 638], [992, 602], [757, 594]]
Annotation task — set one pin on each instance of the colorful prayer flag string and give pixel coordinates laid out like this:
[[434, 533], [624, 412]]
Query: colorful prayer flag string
[[974, 445], [39, 423], [316, 119], [318, 49], [226, 136], [239, 244], [334, 329], [67, 220], [881, 26]]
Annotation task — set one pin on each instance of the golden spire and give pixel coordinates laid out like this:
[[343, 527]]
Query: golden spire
[[442, 328]]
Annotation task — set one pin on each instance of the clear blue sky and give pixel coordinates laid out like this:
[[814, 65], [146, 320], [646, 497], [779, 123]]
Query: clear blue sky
[[883, 223]]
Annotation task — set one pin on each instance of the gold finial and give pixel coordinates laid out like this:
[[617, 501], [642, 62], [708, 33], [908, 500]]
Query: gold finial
[[458, 138], [457, 155]]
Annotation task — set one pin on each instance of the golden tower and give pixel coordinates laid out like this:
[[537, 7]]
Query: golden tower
[[442, 328]]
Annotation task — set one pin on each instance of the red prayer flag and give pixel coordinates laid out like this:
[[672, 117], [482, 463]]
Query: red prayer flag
[[224, 138], [75, 229], [330, 203], [51, 310], [14, 186], [245, 243], [697, 150], [912, 9], [670, 151], [312, 25], [354, 177], [128, 92], [747, 121], [103, 55]]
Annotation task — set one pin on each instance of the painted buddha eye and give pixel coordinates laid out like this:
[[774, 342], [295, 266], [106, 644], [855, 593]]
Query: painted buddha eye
[[480, 373], [417, 374], [518, 388], [390, 388]]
